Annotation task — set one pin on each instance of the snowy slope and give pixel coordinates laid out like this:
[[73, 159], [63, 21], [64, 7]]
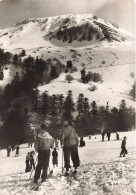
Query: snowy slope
[[83, 39], [101, 171]]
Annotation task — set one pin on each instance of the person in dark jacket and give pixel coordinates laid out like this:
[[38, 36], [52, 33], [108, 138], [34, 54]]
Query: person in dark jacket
[[43, 144], [8, 151], [103, 134], [17, 151], [55, 158], [32, 165], [108, 135], [13, 147], [69, 142], [117, 135], [82, 142], [123, 147], [27, 169]]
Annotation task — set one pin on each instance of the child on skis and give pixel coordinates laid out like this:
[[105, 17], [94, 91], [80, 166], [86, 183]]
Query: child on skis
[[55, 158], [27, 163], [32, 165]]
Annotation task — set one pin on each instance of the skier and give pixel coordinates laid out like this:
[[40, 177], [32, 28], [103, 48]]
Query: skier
[[27, 163], [69, 142], [13, 147], [55, 158], [17, 151], [89, 136], [103, 134], [8, 151], [82, 142], [43, 144], [117, 135], [32, 165], [123, 146], [108, 135]]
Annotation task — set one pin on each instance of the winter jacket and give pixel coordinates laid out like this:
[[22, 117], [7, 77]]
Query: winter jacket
[[44, 141], [123, 145], [28, 157], [69, 136]]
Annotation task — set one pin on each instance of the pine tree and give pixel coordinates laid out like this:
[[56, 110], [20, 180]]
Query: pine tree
[[94, 109], [44, 107], [53, 105], [69, 107], [23, 53], [123, 116], [15, 59], [34, 99], [79, 104], [83, 75], [86, 107], [60, 104]]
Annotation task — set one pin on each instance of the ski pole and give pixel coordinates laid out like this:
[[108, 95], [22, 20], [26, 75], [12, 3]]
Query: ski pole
[[32, 168], [51, 172]]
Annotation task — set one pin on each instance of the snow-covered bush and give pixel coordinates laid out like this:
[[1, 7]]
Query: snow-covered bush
[[68, 78], [92, 88], [95, 17], [74, 69]]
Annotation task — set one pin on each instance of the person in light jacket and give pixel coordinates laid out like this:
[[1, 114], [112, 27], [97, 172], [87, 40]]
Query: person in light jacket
[[69, 142], [43, 144]]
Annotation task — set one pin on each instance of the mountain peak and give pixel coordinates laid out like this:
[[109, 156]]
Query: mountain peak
[[57, 30]]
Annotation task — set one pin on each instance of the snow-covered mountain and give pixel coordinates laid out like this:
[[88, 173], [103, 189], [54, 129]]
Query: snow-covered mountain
[[66, 29], [85, 40]]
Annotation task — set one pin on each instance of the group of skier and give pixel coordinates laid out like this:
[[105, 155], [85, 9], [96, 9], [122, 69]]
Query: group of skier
[[12, 147], [69, 143], [109, 135]]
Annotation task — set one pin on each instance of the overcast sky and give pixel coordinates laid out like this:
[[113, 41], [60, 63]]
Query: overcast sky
[[121, 12]]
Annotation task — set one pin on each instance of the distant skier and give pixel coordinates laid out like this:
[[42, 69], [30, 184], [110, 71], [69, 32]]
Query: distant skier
[[30, 144], [108, 135], [17, 150], [89, 136], [27, 169], [103, 134], [8, 151], [55, 158], [32, 165], [117, 135], [43, 144], [82, 142], [123, 147], [13, 147], [69, 143]]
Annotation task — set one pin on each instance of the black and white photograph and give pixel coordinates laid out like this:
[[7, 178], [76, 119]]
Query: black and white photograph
[[67, 97]]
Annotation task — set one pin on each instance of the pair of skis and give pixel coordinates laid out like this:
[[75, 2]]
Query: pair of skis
[[71, 176], [35, 187]]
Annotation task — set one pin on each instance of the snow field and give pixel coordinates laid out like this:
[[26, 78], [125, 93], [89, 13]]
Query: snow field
[[110, 90], [101, 172]]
